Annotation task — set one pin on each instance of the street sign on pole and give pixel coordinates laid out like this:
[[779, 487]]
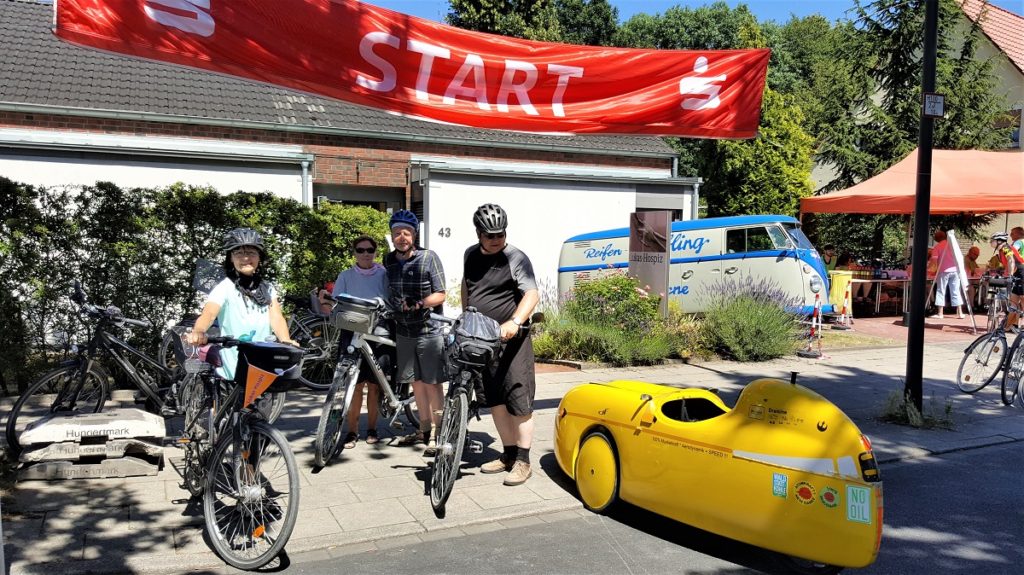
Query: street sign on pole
[[922, 210]]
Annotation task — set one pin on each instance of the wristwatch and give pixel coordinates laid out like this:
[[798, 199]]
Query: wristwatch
[[516, 321]]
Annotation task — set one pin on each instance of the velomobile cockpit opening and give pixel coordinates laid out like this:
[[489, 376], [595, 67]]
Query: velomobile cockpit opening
[[691, 409]]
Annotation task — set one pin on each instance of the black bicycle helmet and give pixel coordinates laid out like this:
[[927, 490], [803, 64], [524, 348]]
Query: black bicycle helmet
[[240, 237], [1000, 237], [490, 219], [404, 218]]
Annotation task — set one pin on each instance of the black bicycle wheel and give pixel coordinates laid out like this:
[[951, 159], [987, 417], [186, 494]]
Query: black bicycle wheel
[[251, 498], [981, 362], [451, 438], [317, 368], [1013, 373], [53, 393], [271, 405], [198, 430], [334, 416]]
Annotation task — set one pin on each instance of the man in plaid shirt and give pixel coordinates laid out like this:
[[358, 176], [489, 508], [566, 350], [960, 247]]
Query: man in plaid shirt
[[416, 285]]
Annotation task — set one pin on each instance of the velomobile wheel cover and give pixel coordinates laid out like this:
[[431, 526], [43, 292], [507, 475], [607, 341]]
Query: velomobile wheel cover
[[597, 474]]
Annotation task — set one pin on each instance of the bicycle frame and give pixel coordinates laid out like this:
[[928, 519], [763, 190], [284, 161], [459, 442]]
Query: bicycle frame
[[102, 340], [361, 342]]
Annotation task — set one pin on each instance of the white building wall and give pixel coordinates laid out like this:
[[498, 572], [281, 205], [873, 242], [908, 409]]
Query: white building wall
[[542, 214], [58, 170]]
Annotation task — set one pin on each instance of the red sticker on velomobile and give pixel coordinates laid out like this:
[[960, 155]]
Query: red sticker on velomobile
[[830, 497], [804, 493]]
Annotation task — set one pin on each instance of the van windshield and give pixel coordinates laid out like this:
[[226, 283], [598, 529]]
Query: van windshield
[[798, 236]]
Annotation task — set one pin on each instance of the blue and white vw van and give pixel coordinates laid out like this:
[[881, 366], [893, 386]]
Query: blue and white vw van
[[707, 253]]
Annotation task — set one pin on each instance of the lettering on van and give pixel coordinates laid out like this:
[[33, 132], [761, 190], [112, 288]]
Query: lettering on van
[[679, 290], [680, 243], [604, 253]]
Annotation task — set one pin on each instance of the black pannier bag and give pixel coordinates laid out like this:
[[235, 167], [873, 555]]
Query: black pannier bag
[[477, 338], [282, 360]]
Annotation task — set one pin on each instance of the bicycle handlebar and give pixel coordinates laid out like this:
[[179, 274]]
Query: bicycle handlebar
[[114, 315]]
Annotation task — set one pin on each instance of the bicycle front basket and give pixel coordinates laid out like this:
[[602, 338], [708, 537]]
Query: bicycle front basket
[[355, 314]]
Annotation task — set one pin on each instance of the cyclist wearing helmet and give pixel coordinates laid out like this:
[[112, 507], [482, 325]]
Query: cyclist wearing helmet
[[1008, 263], [243, 303], [498, 281], [416, 284]]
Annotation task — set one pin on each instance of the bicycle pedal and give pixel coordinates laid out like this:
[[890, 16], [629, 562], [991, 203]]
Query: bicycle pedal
[[397, 425], [183, 440], [475, 446]]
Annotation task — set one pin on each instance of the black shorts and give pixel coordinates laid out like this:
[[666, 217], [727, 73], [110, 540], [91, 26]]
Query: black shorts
[[1018, 286], [511, 382]]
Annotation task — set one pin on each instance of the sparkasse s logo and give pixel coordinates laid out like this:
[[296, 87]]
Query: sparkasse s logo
[[192, 16]]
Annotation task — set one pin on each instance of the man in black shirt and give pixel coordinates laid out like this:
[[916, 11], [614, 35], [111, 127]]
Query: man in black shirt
[[498, 281]]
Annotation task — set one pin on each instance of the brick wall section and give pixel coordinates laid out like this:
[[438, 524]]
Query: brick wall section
[[339, 159]]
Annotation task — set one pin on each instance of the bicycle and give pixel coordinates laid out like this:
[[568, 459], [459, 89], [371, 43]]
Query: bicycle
[[81, 384], [314, 330], [249, 478], [472, 343], [360, 320], [986, 355]]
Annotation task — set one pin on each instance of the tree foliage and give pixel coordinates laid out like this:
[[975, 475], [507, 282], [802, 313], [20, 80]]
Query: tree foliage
[[766, 175], [529, 19], [587, 22]]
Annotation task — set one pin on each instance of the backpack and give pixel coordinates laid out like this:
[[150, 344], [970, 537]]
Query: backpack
[[477, 339]]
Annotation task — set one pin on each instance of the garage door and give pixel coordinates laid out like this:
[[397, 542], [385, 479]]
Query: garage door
[[542, 215]]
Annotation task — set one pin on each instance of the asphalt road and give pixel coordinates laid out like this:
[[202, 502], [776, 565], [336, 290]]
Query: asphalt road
[[958, 513]]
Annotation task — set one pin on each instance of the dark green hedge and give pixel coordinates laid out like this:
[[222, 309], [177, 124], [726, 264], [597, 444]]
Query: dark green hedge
[[136, 249]]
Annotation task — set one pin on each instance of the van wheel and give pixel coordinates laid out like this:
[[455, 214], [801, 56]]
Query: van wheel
[[806, 566]]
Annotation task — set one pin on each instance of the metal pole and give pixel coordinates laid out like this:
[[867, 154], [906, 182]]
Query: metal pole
[[922, 208]]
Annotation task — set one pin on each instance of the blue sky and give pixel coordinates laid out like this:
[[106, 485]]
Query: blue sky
[[778, 10]]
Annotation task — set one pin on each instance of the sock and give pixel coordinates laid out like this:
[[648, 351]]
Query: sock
[[523, 455], [511, 452]]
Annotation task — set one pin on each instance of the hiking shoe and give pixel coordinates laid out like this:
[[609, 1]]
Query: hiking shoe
[[519, 474], [499, 465]]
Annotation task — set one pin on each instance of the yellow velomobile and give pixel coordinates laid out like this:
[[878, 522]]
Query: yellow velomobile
[[784, 469]]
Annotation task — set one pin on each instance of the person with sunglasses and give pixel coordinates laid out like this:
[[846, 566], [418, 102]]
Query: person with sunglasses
[[498, 280], [369, 280], [416, 285], [244, 303]]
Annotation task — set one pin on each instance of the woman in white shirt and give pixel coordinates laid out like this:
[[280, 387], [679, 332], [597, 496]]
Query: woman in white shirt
[[244, 303]]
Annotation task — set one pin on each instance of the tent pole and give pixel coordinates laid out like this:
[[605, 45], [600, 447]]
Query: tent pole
[[922, 209]]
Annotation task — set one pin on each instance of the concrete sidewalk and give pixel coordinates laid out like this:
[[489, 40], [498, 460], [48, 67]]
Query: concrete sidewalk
[[375, 496]]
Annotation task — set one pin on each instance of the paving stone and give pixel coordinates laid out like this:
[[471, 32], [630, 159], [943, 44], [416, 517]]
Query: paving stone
[[458, 505], [314, 522], [145, 516], [500, 496], [325, 495], [385, 487], [369, 514]]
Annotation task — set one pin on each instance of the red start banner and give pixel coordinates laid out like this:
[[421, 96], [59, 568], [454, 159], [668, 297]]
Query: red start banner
[[375, 57]]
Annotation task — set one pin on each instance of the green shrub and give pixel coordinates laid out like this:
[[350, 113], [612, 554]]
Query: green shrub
[[689, 340], [748, 328], [566, 338], [136, 248], [610, 319], [613, 300]]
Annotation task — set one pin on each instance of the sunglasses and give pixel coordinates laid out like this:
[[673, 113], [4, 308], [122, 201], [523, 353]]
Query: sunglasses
[[365, 250], [246, 253], [496, 236]]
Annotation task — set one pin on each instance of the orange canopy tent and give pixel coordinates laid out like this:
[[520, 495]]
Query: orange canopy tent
[[963, 181]]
